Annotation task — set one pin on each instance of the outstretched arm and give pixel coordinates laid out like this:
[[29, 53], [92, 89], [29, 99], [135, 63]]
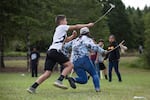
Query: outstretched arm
[[79, 26], [91, 45]]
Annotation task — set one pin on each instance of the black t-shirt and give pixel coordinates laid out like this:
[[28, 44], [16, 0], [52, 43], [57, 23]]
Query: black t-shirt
[[34, 56], [114, 55]]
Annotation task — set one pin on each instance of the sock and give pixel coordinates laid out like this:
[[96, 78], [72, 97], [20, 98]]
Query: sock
[[106, 77], [35, 85], [66, 77], [61, 77]]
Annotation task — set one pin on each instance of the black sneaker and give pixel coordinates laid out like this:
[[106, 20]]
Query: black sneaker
[[109, 80], [120, 80], [88, 77], [72, 82], [106, 77]]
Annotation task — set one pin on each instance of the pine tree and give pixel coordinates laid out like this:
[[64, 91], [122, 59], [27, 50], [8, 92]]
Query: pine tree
[[119, 23]]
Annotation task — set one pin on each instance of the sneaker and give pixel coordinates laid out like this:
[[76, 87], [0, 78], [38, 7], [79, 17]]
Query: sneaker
[[97, 90], [59, 84], [109, 80], [120, 80], [106, 77], [72, 82], [31, 90]]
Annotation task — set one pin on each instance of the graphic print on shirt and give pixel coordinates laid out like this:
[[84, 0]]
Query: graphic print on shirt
[[33, 56]]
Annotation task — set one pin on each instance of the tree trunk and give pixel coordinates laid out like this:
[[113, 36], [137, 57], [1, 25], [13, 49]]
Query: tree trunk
[[28, 51], [2, 65]]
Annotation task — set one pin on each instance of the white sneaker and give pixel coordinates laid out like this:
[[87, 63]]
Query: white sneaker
[[31, 90], [59, 84]]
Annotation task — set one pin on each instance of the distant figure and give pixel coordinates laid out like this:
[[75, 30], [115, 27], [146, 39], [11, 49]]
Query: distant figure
[[34, 61], [100, 61], [140, 49], [114, 58]]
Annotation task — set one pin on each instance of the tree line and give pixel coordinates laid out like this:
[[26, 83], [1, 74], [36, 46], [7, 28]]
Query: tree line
[[34, 20]]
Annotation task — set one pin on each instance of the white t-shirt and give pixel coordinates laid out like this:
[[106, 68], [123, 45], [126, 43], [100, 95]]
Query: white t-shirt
[[59, 37]]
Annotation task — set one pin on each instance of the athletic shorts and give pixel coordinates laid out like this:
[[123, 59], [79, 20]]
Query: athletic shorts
[[102, 66], [54, 56]]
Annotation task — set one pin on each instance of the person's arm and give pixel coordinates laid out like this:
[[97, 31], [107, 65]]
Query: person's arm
[[68, 45], [66, 48], [90, 44], [38, 58], [79, 26], [74, 35], [117, 54], [106, 56], [123, 47], [97, 58], [117, 51]]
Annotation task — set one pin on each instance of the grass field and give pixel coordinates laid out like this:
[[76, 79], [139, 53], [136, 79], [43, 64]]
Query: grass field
[[136, 82]]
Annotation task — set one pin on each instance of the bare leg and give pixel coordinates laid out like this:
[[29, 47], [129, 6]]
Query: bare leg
[[68, 68], [43, 77], [105, 73]]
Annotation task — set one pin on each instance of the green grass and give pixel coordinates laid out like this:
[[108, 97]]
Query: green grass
[[124, 62], [136, 82]]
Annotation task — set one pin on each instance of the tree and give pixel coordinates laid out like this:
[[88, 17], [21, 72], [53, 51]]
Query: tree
[[33, 20], [7, 25], [19, 19], [83, 12], [137, 26], [147, 38], [118, 22]]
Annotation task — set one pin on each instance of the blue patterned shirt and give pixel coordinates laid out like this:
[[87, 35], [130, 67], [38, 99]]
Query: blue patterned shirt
[[81, 47]]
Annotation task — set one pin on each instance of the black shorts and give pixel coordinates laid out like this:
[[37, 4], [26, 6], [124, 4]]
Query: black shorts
[[102, 66], [54, 56]]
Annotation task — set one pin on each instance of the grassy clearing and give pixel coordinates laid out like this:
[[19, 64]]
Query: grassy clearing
[[136, 82], [13, 87], [124, 62]]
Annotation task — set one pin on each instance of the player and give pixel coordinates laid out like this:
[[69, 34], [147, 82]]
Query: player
[[34, 61], [100, 60], [80, 58], [113, 58], [54, 53]]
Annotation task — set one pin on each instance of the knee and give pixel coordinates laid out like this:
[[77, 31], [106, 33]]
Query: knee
[[47, 74], [109, 70], [95, 76], [117, 71], [68, 64], [84, 81]]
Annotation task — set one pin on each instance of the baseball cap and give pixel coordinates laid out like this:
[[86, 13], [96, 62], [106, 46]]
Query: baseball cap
[[84, 30]]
